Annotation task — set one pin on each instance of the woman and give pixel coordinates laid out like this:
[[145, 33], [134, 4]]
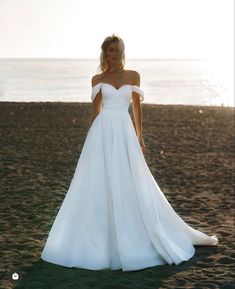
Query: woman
[[112, 66], [114, 215]]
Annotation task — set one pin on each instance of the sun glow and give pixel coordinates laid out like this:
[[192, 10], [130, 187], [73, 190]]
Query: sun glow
[[221, 73]]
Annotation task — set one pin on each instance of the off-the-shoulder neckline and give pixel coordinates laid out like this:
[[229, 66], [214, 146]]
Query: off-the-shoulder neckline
[[114, 86]]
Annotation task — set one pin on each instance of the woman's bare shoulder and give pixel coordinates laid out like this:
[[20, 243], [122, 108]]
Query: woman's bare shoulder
[[131, 72], [134, 76], [97, 78]]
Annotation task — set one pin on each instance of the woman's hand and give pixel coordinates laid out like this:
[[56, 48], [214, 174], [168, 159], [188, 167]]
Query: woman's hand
[[142, 145]]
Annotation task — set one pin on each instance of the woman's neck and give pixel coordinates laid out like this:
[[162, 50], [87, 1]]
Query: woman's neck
[[113, 70]]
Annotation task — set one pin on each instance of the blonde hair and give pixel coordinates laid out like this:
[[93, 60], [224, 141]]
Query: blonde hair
[[103, 66]]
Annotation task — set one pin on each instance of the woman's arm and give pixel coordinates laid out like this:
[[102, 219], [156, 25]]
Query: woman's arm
[[137, 112], [97, 105]]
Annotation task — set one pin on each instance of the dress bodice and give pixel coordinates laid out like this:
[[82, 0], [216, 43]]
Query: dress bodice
[[116, 98]]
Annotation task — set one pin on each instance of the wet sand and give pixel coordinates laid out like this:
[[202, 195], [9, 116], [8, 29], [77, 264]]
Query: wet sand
[[190, 151]]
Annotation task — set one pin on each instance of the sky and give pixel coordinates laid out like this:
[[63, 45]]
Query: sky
[[150, 28]]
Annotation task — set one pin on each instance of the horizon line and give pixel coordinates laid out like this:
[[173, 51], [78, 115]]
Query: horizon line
[[92, 58]]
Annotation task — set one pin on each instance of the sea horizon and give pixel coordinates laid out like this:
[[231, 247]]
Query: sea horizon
[[183, 81]]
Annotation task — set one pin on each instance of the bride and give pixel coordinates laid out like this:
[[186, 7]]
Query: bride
[[114, 214]]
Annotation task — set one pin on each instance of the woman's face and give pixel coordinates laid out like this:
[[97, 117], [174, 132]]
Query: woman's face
[[112, 51]]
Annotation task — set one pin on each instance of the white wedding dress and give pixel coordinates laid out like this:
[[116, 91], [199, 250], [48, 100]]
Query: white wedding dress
[[114, 215]]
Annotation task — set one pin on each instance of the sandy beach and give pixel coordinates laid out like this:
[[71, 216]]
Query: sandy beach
[[190, 152]]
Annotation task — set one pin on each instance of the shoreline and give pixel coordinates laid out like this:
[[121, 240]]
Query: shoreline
[[89, 102]]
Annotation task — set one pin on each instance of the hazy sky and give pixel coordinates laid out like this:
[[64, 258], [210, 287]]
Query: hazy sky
[[150, 28]]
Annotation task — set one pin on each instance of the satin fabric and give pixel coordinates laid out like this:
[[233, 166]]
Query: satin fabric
[[114, 214]]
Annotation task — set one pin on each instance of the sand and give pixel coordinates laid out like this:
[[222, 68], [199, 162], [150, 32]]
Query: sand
[[190, 151]]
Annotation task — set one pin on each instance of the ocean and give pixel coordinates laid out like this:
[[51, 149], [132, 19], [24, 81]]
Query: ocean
[[164, 81]]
